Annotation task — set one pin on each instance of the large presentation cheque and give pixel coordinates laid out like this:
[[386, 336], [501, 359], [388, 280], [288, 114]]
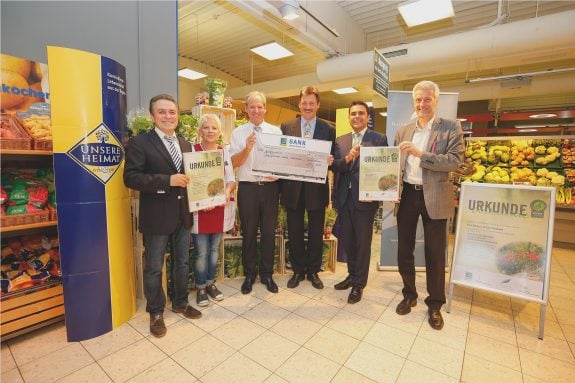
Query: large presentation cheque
[[207, 186], [504, 239], [292, 158], [379, 173]]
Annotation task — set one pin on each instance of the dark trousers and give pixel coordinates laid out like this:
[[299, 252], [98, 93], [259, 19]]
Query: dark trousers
[[357, 232], [305, 261], [154, 249], [434, 230], [258, 208]]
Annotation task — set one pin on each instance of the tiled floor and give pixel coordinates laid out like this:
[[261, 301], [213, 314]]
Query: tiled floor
[[309, 335]]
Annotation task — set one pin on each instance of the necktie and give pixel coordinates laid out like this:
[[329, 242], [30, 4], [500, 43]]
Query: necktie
[[174, 152], [307, 131], [356, 139], [257, 129]]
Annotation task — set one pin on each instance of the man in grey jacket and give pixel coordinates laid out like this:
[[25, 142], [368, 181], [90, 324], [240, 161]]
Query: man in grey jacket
[[431, 148]]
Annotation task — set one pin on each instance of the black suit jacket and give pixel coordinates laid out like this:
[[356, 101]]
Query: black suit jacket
[[316, 195], [148, 169], [349, 173]]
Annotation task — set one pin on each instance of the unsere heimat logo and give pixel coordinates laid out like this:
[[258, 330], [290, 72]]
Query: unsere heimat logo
[[99, 152]]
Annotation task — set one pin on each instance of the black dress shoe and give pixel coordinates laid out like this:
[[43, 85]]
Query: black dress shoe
[[247, 285], [315, 281], [354, 295], [404, 307], [270, 284], [435, 319], [295, 280], [343, 285]]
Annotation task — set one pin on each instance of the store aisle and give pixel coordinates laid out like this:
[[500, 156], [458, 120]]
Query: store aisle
[[308, 335]]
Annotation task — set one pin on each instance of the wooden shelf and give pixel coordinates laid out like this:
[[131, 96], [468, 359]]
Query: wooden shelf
[[27, 152], [26, 227]]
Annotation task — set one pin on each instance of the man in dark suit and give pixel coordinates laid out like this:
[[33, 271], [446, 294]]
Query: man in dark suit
[[431, 148], [299, 197], [154, 167], [356, 216]]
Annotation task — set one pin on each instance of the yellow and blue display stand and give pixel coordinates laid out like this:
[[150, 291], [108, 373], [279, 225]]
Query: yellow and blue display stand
[[88, 108]]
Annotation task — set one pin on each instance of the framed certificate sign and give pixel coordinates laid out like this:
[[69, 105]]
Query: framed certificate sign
[[504, 239]]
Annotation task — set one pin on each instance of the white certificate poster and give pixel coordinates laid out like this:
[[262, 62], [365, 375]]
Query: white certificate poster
[[504, 239], [206, 171], [292, 158], [379, 173]]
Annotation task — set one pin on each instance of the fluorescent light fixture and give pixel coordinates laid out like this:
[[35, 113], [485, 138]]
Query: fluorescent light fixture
[[289, 10], [520, 76], [527, 130], [384, 114], [345, 90], [369, 103], [461, 119], [272, 51], [537, 126], [190, 74], [543, 115], [417, 12]]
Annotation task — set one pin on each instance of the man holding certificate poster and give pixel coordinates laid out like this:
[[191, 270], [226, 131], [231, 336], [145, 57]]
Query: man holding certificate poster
[[299, 197], [257, 197], [356, 216], [432, 147]]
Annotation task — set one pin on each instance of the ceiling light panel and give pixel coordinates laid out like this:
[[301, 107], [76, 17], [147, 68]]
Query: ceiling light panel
[[272, 51], [190, 74], [345, 90], [417, 12]]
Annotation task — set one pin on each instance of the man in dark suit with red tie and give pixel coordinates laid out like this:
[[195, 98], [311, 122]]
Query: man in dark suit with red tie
[[154, 167], [299, 197], [356, 217]]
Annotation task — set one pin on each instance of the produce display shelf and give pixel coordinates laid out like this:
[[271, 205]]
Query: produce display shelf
[[31, 308], [29, 226], [27, 152]]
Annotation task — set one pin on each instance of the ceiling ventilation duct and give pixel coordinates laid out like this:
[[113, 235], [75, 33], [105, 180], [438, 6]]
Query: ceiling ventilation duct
[[486, 48]]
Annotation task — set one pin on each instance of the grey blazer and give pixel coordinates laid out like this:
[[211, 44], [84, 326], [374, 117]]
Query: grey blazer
[[443, 154]]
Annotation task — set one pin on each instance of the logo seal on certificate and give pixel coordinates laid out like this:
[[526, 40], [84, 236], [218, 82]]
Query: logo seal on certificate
[[379, 173], [207, 186]]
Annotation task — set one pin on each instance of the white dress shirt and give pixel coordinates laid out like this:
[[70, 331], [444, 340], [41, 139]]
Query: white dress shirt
[[238, 143], [166, 143], [413, 173]]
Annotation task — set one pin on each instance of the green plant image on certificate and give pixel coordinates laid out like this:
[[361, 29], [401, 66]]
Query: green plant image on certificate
[[386, 182], [518, 257], [215, 187]]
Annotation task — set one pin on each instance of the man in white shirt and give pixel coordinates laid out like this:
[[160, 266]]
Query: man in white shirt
[[432, 147], [257, 197]]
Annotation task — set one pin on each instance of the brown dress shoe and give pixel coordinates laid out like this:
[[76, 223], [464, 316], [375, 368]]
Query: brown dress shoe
[[188, 311], [435, 319], [157, 325], [404, 307]]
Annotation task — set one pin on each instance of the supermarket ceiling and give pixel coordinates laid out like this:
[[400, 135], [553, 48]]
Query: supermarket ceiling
[[483, 39]]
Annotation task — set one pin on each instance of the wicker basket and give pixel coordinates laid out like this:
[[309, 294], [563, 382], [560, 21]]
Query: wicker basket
[[37, 143], [24, 142], [53, 214], [25, 219]]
